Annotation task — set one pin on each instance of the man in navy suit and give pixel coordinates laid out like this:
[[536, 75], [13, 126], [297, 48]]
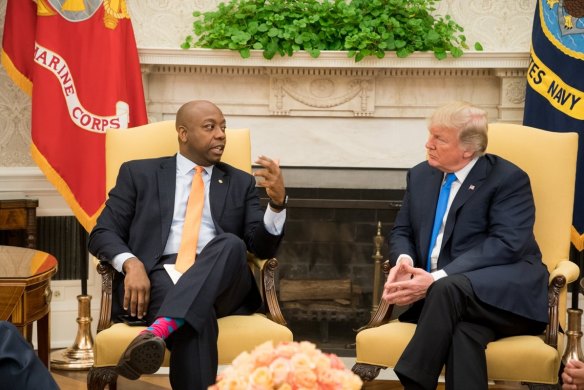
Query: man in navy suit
[[20, 367], [486, 279], [139, 232]]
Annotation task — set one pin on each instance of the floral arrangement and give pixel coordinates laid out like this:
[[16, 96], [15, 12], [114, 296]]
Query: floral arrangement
[[287, 366]]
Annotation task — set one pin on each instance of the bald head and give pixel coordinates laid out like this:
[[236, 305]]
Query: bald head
[[191, 110]]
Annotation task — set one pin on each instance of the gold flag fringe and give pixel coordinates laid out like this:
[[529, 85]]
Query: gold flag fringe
[[86, 220], [18, 78], [577, 239]]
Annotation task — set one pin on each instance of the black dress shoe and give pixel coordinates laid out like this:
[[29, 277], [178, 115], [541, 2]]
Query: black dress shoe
[[144, 355]]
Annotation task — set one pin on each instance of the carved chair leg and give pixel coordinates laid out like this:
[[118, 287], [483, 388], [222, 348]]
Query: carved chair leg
[[367, 372], [100, 377]]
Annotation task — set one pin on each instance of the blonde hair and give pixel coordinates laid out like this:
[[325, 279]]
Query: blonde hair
[[470, 121]]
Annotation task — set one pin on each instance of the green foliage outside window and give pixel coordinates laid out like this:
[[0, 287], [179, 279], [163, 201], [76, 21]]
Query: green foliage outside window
[[360, 27]]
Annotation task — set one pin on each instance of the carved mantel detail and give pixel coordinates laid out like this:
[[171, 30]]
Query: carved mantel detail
[[313, 94]]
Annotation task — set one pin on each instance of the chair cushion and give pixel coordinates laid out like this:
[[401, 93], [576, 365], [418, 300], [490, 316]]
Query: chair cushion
[[236, 334], [520, 358]]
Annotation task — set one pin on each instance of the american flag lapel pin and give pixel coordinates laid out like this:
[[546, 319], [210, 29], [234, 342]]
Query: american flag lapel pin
[[471, 187]]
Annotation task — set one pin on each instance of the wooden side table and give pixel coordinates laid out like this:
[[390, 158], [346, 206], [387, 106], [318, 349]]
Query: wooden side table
[[19, 214], [25, 292]]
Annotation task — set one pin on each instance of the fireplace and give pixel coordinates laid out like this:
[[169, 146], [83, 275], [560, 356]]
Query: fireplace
[[326, 263]]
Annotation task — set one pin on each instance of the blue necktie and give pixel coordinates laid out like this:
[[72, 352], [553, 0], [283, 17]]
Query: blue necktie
[[440, 210]]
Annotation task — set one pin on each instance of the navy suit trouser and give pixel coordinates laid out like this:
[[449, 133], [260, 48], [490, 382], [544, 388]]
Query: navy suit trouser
[[453, 330], [220, 283]]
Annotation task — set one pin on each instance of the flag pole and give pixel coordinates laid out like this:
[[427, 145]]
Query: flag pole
[[80, 355], [577, 257]]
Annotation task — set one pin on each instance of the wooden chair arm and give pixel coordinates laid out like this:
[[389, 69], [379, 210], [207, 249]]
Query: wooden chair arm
[[384, 309], [106, 271], [552, 328], [564, 273], [267, 285]]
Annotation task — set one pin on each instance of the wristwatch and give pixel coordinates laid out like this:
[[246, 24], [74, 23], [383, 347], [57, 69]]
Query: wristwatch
[[279, 207]]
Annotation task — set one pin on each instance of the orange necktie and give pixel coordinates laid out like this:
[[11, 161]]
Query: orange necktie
[[190, 234]]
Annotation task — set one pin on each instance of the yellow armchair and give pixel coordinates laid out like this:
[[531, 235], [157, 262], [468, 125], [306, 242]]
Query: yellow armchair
[[550, 160], [236, 333]]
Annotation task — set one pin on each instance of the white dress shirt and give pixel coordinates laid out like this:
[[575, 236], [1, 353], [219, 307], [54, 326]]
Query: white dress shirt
[[273, 221]]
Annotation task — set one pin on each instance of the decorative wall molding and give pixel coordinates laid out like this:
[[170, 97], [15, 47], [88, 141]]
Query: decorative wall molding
[[332, 59]]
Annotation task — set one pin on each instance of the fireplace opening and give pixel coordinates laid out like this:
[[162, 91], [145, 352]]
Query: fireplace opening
[[327, 262]]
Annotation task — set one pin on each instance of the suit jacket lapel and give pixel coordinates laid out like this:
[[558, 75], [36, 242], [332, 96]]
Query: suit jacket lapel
[[166, 190], [217, 194], [471, 184]]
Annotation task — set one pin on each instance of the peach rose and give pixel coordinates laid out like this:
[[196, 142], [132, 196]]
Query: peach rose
[[263, 354], [261, 379], [308, 348], [280, 369], [350, 381], [304, 378], [286, 349], [243, 361], [336, 362], [327, 378], [322, 363], [301, 361], [233, 383]]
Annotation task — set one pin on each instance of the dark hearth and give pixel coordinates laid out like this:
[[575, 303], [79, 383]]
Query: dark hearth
[[328, 249]]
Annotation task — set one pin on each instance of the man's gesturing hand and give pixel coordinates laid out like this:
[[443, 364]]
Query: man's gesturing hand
[[272, 181]]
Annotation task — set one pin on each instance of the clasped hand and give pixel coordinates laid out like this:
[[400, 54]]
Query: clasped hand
[[573, 375], [406, 284]]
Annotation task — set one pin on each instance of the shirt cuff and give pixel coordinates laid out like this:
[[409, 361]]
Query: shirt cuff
[[119, 260], [439, 274], [274, 222]]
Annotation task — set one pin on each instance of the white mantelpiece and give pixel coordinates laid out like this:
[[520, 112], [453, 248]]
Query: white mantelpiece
[[331, 59]]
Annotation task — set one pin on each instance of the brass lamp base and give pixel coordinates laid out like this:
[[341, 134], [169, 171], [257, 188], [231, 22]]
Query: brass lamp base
[[80, 355]]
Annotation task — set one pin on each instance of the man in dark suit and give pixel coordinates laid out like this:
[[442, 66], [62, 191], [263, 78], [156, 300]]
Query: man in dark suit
[[140, 231], [483, 277], [20, 367]]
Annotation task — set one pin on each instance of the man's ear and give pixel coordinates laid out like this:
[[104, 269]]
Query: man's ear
[[182, 134], [468, 154]]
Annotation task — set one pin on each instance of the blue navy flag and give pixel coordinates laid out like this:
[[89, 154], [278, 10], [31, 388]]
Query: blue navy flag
[[554, 99]]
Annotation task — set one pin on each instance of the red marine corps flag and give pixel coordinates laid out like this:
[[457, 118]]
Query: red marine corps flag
[[78, 60]]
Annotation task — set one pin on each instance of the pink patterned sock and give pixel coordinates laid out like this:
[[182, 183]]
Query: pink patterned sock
[[164, 326]]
